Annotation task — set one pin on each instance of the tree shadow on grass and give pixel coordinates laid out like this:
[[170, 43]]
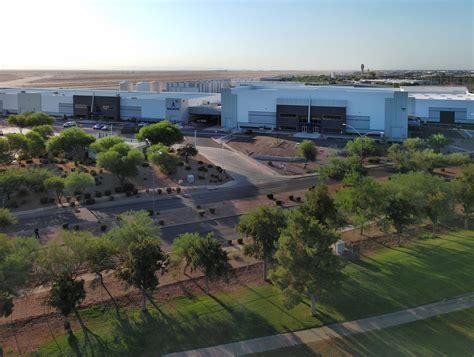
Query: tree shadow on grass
[[150, 334]]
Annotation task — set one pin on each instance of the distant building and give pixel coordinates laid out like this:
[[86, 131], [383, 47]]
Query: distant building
[[207, 86], [362, 69], [105, 104]]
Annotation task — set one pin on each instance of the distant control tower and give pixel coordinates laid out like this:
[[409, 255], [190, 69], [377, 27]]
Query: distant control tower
[[362, 69]]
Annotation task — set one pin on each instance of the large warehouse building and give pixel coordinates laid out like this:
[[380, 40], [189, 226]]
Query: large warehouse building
[[290, 107], [317, 109], [107, 105], [445, 105]]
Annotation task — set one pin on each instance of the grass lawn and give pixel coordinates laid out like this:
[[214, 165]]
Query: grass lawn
[[396, 278], [446, 335]]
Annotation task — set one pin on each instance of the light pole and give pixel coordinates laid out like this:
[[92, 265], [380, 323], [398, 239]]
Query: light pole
[[381, 133], [222, 156], [152, 176], [195, 133]]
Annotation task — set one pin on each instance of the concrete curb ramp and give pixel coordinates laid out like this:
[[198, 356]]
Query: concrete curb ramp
[[270, 343]]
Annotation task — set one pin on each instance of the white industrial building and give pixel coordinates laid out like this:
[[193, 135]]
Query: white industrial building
[[103, 104], [294, 107], [317, 109], [436, 104], [206, 86]]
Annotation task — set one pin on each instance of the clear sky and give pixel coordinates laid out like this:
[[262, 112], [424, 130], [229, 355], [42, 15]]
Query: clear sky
[[232, 34]]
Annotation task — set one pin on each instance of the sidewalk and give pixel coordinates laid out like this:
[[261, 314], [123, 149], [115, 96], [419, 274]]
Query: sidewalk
[[270, 343]]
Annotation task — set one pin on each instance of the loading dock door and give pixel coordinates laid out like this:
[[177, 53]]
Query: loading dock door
[[446, 117]]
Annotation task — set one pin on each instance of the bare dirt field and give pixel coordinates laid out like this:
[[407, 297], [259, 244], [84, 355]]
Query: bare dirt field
[[255, 145], [111, 79]]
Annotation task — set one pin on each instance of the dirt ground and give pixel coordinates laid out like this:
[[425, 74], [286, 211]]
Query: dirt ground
[[26, 200], [111, 79], [252, 145]]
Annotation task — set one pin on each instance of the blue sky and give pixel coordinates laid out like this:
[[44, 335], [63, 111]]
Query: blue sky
[[230, 34]]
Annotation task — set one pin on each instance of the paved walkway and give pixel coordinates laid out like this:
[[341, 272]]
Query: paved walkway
[[333, 331]]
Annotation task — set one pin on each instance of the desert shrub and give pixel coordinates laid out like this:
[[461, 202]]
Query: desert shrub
[[269, 163], [76, 227], [270, 196], [159, 191], [178, 189], [65, 225], [150, 212], [212, 210], [278, 202], [240, 241], [291, 197], [201, 212], [169, 190], [229, 242]]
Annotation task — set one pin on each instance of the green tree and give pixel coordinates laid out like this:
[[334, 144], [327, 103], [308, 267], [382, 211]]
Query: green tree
[[6, 218], [121, 160], [306, 264], [18, 144], [100, 257], [106, 143], [263, 225], [159, 155], [399, 212], [71, 141], [457, 159], [18, 120], [144, 260], [39, 119], [163, 133], [320, 205], [438, 142], [61, 263], [361, 199], [212, 260], [56, 185], [363, 147], [46, 131], [5, 155], [78, 182], [184, 249], [17, 257], [36, 144], [307, 149], [339, 167], [463, 190], [187, 151]]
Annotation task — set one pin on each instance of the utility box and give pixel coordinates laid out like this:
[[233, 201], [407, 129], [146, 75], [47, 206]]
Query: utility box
[[339, 247], [190, 178]]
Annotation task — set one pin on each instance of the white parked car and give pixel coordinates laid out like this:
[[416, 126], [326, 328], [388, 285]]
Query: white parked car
[[69, 124], [105, 127], [97, 126]]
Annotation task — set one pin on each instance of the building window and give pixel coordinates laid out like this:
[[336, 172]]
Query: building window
[[332, 117], [80, 106], [287, 116]]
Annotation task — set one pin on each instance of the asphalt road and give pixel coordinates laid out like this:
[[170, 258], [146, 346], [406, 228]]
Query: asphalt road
[[222, 227]]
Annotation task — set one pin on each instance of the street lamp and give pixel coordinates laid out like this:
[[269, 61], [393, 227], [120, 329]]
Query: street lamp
[[381, 133], [153, 174]]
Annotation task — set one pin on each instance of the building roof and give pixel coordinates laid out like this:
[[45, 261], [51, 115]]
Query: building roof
[[101, 92]]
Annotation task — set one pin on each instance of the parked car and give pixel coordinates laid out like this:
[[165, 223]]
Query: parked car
[[69, 124], [105, 127], [1, 132], [98, 126], [142, 124], [414, 122]]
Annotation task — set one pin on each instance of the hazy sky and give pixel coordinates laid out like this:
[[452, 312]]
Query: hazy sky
[[221, 34]]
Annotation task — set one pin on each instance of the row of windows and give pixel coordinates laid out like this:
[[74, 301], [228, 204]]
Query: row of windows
[[313, 119]]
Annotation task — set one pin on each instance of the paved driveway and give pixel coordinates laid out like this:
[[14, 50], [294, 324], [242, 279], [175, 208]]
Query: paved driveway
[[242, 168]]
